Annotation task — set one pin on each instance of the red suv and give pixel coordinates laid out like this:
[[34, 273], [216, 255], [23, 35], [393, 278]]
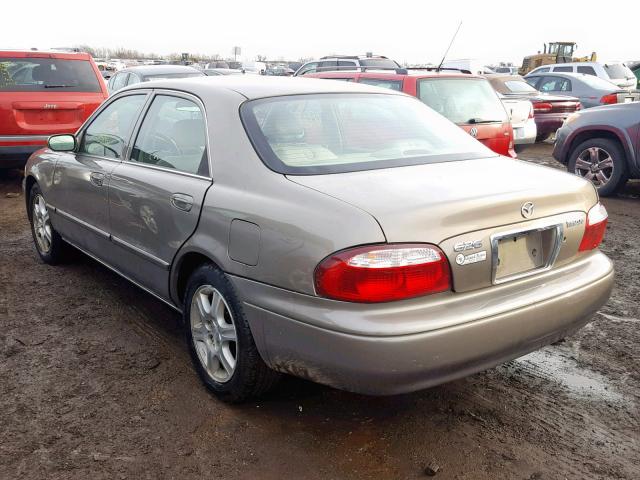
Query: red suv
[[43, 93], [465, 99]]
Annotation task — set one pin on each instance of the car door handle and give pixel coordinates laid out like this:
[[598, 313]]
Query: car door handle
[[97, 178], [182, 201]]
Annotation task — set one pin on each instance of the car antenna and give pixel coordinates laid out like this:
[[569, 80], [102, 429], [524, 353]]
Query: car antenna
[[447, 50]]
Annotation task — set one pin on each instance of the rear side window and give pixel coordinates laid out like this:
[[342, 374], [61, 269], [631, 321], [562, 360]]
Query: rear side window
[[587, 70], [376, 82], [563, 69], [173, 136], [47, 75], [108, 133]]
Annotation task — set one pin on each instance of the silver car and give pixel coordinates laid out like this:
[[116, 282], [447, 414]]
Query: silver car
[[335, 231]]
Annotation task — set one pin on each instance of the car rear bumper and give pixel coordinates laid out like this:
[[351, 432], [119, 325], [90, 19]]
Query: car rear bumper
[[550, 122], [525, 134], [435, 340], [16, 156]]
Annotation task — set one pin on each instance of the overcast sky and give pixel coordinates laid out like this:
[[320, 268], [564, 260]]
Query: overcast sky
[[412, 31]]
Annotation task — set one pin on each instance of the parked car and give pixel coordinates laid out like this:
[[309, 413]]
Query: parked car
[[509, 70], [635, 68], [617, 73], [214, 72], [467, 100], [146, 73], [345, 62], [43, 93], [352, 236], [601, 145], [549, 111], [591, 91], [468, 65]]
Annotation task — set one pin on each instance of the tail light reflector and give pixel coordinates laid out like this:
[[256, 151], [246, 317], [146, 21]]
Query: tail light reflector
[[595, 228], [383, 273], [609, 99], [531, 111], [542, 107]]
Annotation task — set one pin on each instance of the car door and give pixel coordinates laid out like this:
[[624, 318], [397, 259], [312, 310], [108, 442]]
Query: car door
[[81, 178], [156, 194]]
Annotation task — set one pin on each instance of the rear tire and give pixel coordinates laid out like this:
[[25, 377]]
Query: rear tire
[[220, 341], [49, 244], [601, 161]]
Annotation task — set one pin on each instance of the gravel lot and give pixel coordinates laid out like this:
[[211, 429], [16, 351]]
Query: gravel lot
[[96, 382]]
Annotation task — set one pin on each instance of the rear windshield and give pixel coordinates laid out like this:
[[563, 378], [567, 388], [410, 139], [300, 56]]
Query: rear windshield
[[47, 74], [519, 86], [462, 100], [332, 133], [618, 70]]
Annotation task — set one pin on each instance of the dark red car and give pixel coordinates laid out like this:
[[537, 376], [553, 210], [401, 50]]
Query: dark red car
[[467, 100], [550, 111], [41, 94]]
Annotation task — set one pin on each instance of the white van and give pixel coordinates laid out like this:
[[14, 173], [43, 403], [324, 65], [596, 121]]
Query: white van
[[615, 72], [470, 65]]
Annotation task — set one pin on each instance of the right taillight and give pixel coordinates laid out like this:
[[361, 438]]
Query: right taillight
[[609, 99], [595, 228], [542, 107], [383, 273]]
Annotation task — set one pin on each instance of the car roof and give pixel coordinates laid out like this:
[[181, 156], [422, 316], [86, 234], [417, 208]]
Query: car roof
[[258, 86], [561, 74], [417, 73], [45, 54], [159, 69]]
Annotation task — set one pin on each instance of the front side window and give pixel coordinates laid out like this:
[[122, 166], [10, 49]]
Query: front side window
[[383, 83], [462, 100], [172, 135], [108, 133], [331, 133], [47, 75], [309, 68], [555, 84], [119, 81]]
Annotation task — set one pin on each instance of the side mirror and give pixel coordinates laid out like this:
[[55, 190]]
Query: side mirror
[[62, 143]]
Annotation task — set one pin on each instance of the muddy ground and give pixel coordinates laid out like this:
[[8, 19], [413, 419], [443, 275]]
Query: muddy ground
[[96, 382]]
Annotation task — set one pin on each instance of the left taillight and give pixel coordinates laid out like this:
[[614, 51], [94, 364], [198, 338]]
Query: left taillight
[[383, 273], [596, 227], [610, 99]]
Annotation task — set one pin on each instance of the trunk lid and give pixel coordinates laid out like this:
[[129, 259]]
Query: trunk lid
[[454, 203]]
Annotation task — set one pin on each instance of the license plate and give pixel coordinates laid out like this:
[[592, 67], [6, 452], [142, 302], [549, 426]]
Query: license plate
[[519, 253]]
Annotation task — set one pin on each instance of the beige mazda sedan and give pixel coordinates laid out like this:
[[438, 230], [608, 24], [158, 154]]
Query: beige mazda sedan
[[338, 232]]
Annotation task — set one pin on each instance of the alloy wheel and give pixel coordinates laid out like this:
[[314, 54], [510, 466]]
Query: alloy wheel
[[41, 224], [596, 165], [214, 333]]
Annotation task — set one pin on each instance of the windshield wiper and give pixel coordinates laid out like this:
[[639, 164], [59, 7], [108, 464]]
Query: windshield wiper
[[482, 120], [58, 85]]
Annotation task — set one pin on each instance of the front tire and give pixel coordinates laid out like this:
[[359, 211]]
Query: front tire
[[49, 244], [602, 162], [220, 341]]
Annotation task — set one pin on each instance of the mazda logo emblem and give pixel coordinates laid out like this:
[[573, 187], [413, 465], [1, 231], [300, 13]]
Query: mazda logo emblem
[[527, 210], [473, 132]]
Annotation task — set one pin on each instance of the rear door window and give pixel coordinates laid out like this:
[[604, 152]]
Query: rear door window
[[47, 75], [384, 83], [108, 133], [587, 70], [173, 136]]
